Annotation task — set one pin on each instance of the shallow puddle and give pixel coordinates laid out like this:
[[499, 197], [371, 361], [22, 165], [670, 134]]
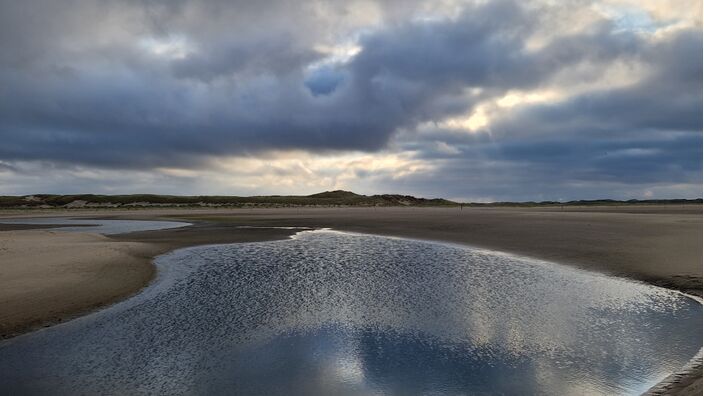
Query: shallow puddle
[[98, 226], [337, 313]]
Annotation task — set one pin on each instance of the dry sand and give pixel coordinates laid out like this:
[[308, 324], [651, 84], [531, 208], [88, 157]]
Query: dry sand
[[49, 276]]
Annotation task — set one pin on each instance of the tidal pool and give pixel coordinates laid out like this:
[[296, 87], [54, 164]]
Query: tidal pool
[[99, 226], [336, 313]]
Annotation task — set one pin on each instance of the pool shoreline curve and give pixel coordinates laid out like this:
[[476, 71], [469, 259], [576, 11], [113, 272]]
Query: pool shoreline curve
[[672, 383]]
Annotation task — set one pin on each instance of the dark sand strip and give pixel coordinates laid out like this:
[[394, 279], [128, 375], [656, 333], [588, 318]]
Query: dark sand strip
[[647, 244]]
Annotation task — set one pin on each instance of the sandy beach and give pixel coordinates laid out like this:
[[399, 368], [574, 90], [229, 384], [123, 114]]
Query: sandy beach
[[658, 245], [48, 276]]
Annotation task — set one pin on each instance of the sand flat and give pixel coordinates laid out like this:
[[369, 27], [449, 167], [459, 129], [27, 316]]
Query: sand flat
[[655, 244], [205, 327], [49, 276]]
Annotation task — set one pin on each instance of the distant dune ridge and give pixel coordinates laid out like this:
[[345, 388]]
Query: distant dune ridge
[[327, 198]]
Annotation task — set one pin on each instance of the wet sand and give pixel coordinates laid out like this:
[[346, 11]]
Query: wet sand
[[658, 245], [47, 276], [358, 313]]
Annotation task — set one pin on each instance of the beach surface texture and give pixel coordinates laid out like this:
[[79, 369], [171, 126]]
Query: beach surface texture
[[49, 276]]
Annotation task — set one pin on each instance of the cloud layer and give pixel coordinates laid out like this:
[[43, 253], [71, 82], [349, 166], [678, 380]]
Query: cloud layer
[[488, 100]]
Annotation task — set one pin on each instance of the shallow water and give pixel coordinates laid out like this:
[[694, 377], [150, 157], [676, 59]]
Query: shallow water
[[100, 226], [336, 313]]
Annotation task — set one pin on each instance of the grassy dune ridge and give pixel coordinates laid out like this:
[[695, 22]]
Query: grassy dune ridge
[[327, 198]]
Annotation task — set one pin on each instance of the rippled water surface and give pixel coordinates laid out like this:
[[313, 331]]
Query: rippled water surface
[[100, 226], [335, 313]]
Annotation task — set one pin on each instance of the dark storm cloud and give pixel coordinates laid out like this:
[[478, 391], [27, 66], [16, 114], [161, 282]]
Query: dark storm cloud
[[641, 135], [669, 99], [143, 84], [231, 93], [563, 170]]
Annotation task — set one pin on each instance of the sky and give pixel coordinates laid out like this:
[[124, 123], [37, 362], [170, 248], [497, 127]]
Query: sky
[[469, 100]]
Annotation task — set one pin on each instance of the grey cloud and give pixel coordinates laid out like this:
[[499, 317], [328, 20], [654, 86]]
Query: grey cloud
[[276, 55], [324, 80], [79, 89], [111, 113], [668, 100], [7, 167], [567, 170]]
